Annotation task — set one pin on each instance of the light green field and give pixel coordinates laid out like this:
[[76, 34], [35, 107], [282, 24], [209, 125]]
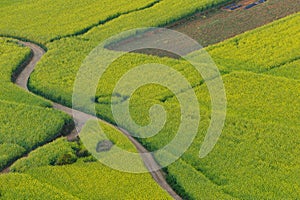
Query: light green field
[[22, 186], [260, 50], [289, 70], [20, 128]]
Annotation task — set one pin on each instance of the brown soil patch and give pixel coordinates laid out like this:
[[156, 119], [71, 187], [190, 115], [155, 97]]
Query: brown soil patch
[[213, 26], [217, 25]]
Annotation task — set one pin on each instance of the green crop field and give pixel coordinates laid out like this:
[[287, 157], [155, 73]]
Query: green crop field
[[256, 156], [262, 49], [238, 58], [249, 125], [47, 22], [81, 176], [12, 55], [289, 70], [21, 130], [254, 105], [61, 24], [259, 140], [22, 186], [99, 182], [206, 27]]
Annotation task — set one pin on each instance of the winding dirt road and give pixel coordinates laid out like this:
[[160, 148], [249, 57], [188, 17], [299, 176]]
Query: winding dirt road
[[81, 119]]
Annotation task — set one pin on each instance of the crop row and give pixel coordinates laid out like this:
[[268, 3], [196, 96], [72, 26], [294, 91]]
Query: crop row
[[46, 21]]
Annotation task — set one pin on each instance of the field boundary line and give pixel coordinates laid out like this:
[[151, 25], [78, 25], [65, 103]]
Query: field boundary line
[[102, 22]]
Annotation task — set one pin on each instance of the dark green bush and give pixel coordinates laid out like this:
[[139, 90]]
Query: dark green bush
[[66, 159]]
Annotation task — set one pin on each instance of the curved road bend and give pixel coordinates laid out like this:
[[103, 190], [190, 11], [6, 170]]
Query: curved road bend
[[149, 161]]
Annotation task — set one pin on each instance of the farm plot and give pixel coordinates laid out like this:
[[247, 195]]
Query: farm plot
[[89, 179], [257, 150], [215, 25], [65, 56], [259, 145], [50, 20], [212, 27], [244, 52], [12, 55], [53, 153], [260, 50], [99, 181], [261, 113], [48, 23], [41, 19], [22, 186], [256, 155], [20, 128]]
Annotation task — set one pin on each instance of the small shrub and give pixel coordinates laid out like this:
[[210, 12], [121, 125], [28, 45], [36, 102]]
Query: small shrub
[[66, 159]]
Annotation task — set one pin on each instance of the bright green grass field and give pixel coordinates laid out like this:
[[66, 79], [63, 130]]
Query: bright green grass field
[[51, 24], [252, 54], [9, 152], [46, 155], [65, 56], [95, 181], [26, 121]]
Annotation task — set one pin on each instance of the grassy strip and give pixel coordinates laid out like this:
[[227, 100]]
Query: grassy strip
[[9, 153], [58, 152], [11, 63], [46, 15], [196, 186], [21, 186], [262, 49], [20, 127], [101, 22], [290, 70], [8, 36]]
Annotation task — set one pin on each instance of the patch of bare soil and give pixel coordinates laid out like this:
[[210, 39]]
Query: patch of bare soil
[[217, 24]]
